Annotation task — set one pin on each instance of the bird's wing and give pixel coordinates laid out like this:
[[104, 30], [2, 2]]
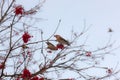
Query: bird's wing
[[65, 41]]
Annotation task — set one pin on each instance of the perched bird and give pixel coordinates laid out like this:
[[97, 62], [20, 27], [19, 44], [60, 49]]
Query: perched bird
[[110, 30], [51, 46], [61, 40]]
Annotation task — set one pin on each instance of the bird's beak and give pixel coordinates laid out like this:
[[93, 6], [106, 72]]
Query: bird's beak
[[54, 35], [46, 42]]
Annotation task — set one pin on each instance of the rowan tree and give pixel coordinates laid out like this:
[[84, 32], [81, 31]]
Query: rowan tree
[[26, 55]]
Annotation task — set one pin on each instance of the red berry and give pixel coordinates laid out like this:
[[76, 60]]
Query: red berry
[[19, 10], [60, 46], [26, 37], [35, 78], [41, 78], [109, 71], [2, 66], [88, 54], [26, 74]]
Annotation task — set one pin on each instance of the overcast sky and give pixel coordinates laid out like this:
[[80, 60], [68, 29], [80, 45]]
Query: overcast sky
[[101, 14]]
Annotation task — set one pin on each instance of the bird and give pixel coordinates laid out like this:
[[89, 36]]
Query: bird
[[110, 30], [51, 46], [61, 40]]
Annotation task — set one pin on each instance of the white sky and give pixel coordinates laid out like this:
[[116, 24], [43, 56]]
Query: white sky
[[102, 14]]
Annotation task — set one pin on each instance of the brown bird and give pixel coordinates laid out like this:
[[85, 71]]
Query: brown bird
[[51, 46], [61, 40]]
